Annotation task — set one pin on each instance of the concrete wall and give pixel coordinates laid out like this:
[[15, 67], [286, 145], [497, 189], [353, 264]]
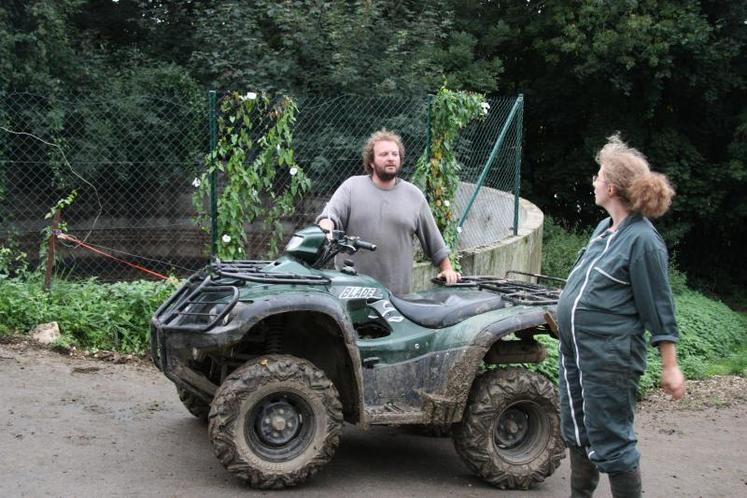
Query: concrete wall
[[522, 252]]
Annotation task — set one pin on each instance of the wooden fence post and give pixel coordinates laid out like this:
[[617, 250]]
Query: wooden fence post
[[50, 250]]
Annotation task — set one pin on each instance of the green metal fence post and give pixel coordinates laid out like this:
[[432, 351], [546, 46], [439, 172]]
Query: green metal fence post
[[493, 153], [213, 124], [517, 165]]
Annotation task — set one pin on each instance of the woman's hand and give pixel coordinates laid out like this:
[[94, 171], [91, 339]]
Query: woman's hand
[[673, 382]]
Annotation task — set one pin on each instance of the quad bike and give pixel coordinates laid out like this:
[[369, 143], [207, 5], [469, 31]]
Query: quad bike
[[277, 354]]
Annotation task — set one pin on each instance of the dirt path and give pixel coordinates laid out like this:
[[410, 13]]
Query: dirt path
[[80, 427]]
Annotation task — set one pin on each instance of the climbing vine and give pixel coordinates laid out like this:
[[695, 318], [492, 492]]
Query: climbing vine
[[437, 170], [261, 179]]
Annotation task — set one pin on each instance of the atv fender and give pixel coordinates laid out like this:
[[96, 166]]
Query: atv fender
[[176, 345], [464, 371]]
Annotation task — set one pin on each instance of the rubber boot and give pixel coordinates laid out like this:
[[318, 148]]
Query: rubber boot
[[626, 484], [584, 475]]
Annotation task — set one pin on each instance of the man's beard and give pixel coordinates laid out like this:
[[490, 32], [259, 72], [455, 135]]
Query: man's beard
[[383, 174]]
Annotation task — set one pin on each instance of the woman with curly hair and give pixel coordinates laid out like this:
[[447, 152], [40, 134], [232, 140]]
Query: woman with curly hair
[[618, 288]]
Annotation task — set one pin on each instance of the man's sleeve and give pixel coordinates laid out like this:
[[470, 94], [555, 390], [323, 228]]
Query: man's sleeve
[[649, 279], [429, 236], [338, 207]]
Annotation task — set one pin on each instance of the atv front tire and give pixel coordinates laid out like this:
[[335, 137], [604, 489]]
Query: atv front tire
[[275, 421], [510, 432], [193, 404]]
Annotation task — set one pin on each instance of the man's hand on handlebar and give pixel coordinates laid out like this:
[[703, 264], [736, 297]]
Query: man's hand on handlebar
[[449, 276], [447, 273], [328, 226]]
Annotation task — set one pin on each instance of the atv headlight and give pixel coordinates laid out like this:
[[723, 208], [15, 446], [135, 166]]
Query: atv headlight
[[217, 310], [293, 243]]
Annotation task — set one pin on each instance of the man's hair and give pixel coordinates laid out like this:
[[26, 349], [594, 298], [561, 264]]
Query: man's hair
[[383, 135]]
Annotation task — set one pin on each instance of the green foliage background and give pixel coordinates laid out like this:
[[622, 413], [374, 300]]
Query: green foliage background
[[437, 169], [670, 75], [254, 147], [95, 315], [709, 329]]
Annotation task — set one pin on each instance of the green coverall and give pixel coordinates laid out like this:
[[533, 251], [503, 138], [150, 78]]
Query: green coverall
[[618, 288]]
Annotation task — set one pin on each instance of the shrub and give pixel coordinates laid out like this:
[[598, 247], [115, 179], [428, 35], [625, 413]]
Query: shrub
[[709, 330], [560, 247], [91, 314]]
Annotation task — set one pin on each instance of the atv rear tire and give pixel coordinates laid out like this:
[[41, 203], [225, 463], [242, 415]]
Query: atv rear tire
[[510, 432], [193, 404], [275, 421]]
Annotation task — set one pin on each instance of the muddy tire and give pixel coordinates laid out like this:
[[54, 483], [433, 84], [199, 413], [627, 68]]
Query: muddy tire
[[510, 432], [193, 404], [275, 421]]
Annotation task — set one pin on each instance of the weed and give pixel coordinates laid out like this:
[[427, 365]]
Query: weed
[[90, 314], [732, 364]]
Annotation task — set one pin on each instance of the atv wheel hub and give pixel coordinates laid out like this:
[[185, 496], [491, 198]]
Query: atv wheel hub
[[512, 427], [278, 422]]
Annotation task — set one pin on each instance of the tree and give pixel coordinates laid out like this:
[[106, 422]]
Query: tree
[[670, 75], [365, 47]]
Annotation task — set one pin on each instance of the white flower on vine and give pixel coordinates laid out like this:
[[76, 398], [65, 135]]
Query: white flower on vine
[[446, 203], [277, 147], [249, 96], [485, 107], [293, 171], [459, 229], [196, 183], [226, 238], [254, 193]]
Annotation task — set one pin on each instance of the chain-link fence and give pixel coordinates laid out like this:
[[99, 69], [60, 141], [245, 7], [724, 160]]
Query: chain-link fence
[[133, 161]]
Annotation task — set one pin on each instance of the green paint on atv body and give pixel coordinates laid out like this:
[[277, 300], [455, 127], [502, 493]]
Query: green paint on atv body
[[421, 352], [277, 354]]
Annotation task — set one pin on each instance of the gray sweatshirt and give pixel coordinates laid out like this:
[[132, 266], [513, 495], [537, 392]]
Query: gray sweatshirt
[[389, 219]]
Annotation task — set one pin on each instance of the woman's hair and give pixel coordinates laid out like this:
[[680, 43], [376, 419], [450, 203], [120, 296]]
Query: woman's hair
[[383, 135], [640, 189]]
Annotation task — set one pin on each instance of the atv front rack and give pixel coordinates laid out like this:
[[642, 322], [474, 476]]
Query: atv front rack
[[513, 291], [209, 295], [199, 305]]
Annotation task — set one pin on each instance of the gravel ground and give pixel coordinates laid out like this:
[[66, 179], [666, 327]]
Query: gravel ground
[[720, 391], [113, 426]]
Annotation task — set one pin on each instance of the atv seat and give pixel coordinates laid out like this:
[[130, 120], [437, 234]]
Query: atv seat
[[437, 310]]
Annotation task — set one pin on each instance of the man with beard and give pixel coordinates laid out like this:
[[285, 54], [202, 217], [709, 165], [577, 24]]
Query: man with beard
[[382, 208]]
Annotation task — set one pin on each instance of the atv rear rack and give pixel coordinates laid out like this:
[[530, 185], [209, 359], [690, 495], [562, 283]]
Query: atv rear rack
[[254, 271], [513, 291]]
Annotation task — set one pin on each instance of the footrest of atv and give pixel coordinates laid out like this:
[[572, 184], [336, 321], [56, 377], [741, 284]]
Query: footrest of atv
[[394, 414]]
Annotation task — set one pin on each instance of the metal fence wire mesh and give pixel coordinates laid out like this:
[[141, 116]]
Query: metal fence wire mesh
[[133, 161]]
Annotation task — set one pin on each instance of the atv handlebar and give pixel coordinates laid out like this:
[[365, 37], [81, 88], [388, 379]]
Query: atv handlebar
[[338, 241], [362, 244], [349, 243]]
